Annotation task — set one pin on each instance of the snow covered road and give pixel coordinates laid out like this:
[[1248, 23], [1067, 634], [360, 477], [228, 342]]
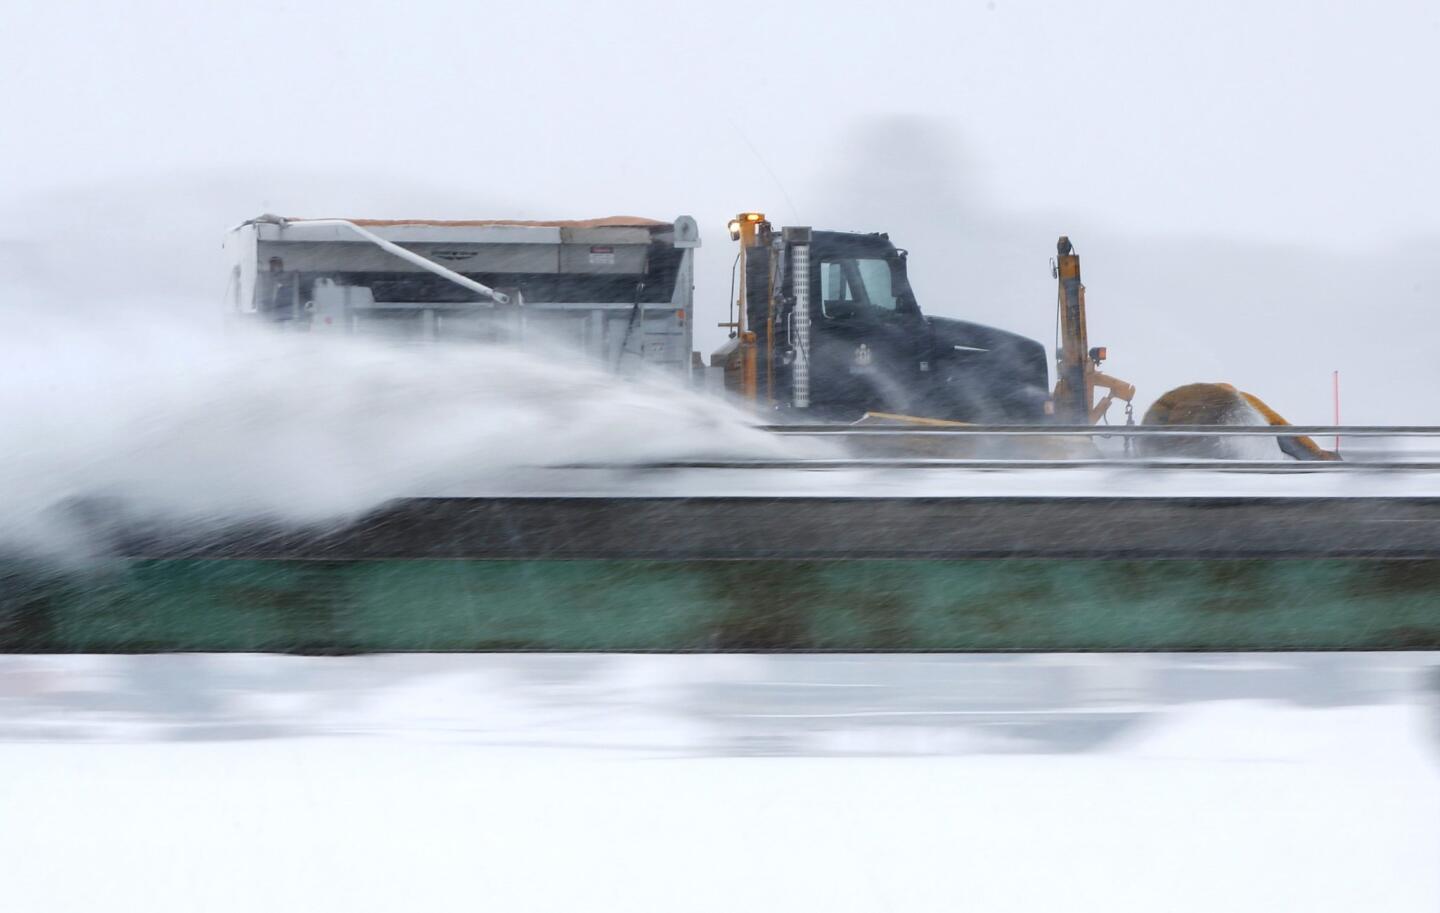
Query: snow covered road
[[833, 783]]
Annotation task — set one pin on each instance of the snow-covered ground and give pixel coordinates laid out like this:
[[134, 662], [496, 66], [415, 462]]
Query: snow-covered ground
[[832, 783]]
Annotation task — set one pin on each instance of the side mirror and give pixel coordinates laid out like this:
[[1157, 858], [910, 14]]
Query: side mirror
[[840, 309]]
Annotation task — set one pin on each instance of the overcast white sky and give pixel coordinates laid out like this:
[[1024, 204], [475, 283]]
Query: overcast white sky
[[1253, 185]]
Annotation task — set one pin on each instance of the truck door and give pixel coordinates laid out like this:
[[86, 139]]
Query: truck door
[[867, 336]]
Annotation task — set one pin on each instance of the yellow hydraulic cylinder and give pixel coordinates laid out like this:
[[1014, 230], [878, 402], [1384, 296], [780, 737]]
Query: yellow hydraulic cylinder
[[1073, 392], [752, 230]]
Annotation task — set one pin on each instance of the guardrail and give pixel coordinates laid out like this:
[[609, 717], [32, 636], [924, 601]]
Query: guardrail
[[1264, 466], [1107, 430], [1372, 459]]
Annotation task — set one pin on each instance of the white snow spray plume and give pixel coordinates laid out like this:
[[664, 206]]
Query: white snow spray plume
[[191, 423]]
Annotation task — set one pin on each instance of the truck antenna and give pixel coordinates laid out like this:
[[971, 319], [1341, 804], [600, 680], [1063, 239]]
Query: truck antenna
[[794, 210]]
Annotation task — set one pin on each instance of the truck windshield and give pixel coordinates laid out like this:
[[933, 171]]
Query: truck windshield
[[852, 282]]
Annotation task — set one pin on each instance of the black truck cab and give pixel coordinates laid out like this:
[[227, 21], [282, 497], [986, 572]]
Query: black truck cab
[[871, 349]]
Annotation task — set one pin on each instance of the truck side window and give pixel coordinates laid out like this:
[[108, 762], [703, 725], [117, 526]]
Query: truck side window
[[851, 283], [833, 286], [875, 274]]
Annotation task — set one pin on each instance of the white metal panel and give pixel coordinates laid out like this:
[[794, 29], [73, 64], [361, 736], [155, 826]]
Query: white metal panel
[[608, 235], [602, 258], [242, 264], [292, 232], [308, 256]]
